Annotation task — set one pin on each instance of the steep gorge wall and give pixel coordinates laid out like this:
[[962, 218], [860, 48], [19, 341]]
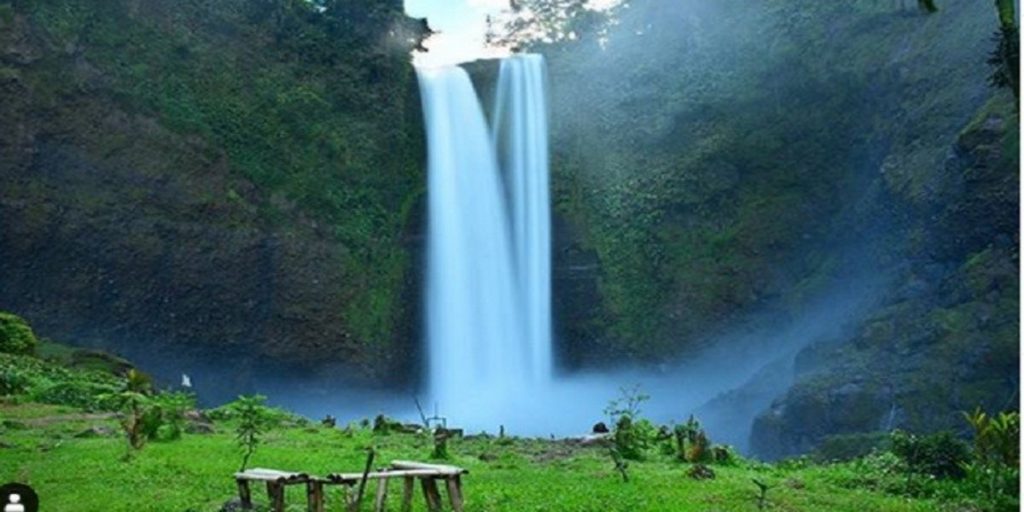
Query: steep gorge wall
[[736, 170], [946, 339], [233, 183], [714, 160]]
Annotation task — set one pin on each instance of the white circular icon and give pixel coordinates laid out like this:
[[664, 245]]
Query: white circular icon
[[14, 504]]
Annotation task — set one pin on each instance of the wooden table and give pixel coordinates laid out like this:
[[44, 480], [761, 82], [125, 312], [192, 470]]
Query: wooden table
[[408, 471]]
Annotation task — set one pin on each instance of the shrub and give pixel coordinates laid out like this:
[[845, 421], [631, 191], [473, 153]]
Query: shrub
[[232, 411], [172, 408], [133, 401], [940, 455], [632, 436], [13, 381], [16, 337], [996, 438], [994, 470], [74, 392], [254, 418], [692, 443]]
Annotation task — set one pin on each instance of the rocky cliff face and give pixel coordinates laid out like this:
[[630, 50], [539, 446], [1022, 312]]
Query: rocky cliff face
[[946, 338], [747, 168], [157, 200], [722, 160]]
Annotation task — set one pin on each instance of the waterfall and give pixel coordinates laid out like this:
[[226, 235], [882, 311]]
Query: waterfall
[[488, 280], [521, 138]]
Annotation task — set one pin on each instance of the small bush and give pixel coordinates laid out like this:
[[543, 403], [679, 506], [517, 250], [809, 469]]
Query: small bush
[[940, 455], [134, 402], [13, 382], [692, 443], [16, 337], [632, 436], [80, 393], [254, 419], [994, 471]]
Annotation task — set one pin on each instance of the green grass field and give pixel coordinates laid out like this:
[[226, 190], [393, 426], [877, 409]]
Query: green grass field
[[83, 474]]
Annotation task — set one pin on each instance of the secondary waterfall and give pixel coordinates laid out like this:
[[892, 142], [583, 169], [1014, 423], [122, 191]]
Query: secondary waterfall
[[488, 282]]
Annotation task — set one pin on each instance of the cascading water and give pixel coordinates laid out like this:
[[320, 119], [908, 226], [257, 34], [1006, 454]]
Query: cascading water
[[521, 139], [488, 291]]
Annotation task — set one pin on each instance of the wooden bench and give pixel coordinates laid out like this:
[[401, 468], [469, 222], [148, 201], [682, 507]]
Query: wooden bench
[[352, 483]]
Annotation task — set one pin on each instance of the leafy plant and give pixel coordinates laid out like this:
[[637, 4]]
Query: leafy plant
[[254, 419], [632, 435], [167, 415], [132, 401], [762, 493], [627, 404], [13, 381], [994, 467], [996, 438], [692, 443]]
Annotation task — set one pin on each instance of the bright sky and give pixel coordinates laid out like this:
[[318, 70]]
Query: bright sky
[[462, 25]]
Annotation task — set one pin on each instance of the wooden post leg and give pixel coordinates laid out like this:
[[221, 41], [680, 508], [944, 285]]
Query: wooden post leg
[[275, 491], [431, 493], [382, 495], [407, 493], [351, 503], [315, 496], [244, 495], [455, 492], [347, 496]]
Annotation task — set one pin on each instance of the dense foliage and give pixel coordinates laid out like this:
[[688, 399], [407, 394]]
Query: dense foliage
[[16, 337]]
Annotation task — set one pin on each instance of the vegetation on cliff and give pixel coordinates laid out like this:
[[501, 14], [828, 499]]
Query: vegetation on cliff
[[274, 146], [731, 161]]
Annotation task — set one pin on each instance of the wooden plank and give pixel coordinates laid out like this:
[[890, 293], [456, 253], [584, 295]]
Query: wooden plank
[[431, 494], [444, 468], [275, 491], [382, 495], [244, 494], [407, 492], [355, 478], [271, 475], [315, 496], [455, 492]]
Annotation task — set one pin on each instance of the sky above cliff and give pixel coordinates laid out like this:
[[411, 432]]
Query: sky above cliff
[[462, 25]]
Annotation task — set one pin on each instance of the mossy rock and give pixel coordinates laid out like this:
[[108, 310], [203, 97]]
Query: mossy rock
[[16, 337]]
